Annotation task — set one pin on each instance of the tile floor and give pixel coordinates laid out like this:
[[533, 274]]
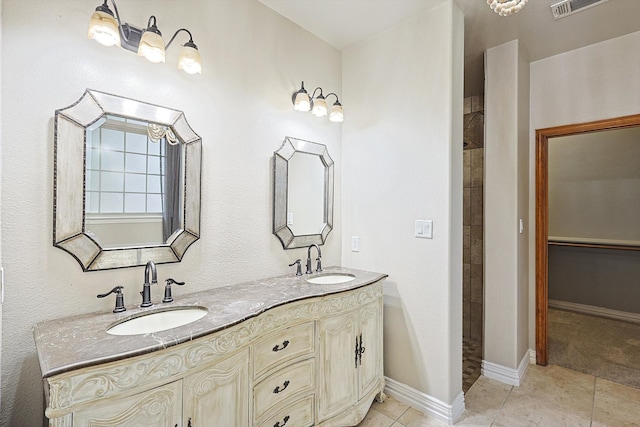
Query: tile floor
[[549, 396], [471, 362]]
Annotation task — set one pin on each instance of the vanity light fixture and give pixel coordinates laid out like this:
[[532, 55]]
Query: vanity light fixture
[[107, 29], [506, 7], [317, 104]]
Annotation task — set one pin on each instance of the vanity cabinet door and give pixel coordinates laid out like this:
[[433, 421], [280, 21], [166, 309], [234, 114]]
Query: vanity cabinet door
[[219, 394], [159, 407], [337, 362], [370, 368]]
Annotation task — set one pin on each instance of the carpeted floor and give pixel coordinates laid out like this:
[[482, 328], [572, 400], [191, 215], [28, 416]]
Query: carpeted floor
[[606, 348]]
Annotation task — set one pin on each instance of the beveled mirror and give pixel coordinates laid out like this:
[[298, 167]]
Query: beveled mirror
[[126, 182], [303, 193]]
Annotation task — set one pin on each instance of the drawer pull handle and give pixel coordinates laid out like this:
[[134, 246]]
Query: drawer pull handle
[[286, 419], [276, 347], [278, 390]]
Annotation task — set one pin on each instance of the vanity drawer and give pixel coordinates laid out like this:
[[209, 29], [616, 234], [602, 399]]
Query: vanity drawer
[[298, 414], [277, 388], [281, 346]]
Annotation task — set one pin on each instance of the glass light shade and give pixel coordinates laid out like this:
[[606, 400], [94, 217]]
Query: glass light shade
[[189, 60], [302, 102], [336, 114], [319, 108], [103, 28], [151, 47]]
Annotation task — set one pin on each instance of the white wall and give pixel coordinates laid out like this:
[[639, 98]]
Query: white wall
[[594, 186], [402, 150], [506, 196], [592, 83], [253, 59]]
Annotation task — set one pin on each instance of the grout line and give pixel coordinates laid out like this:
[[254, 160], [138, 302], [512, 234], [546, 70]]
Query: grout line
[[502, 406], [403, 412]]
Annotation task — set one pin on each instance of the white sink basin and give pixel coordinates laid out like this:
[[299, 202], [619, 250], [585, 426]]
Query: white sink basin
[[331, 278], [159, 320]]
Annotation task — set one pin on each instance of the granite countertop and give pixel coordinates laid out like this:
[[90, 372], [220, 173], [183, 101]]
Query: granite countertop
[[79, 341]]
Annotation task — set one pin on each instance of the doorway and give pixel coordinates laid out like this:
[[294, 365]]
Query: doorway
[[473, 249], [542, 217]]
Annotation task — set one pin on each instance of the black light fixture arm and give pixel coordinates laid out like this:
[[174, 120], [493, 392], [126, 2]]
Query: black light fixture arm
[[337, 100], [129, 35], [190, 43], [313, 95], [153, 27]]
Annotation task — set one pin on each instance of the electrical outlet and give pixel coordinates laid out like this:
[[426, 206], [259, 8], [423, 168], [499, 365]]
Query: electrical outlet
[[355, 244]]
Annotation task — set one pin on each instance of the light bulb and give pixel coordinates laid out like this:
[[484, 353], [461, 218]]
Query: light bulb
[[189, 60], [336, 114], [103, 28], [151, 47], [319, 108]]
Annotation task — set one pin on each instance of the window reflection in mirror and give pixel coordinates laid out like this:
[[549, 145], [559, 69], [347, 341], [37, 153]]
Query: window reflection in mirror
[[305, 199], [132, 184]]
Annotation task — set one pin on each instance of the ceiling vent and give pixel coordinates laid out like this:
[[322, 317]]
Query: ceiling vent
[[569, 7]]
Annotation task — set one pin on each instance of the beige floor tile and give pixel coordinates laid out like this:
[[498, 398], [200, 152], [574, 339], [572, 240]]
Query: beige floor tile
[[472, 419], [521, 410], [415, 418], [486, 396], [376, 419], [391, 407], [569, 390], [616, 405]]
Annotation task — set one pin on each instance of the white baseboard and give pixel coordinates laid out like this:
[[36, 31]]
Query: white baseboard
[[425, 403], [507, 375], [595, 311], [532, 356]]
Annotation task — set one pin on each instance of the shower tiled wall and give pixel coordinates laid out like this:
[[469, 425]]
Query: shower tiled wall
[[473, 251]]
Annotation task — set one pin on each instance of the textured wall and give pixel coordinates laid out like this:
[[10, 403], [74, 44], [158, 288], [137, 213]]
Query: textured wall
[[253, 59], [506, 191], [403, 161]]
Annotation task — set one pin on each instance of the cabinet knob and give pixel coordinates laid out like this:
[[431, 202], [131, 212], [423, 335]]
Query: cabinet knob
[[277, 347], [279, 390], [286, 419]]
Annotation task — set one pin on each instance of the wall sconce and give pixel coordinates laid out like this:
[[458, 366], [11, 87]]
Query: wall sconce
[[107, 29], [317, 104]]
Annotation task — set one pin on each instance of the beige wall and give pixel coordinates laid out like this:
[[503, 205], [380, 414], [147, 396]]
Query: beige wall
[[592, 83], [594, 186], [506, 195], [253, 60], [402, 148]]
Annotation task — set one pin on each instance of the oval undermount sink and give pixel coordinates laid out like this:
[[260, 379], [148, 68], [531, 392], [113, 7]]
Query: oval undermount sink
[[157, 321], [331, 278]]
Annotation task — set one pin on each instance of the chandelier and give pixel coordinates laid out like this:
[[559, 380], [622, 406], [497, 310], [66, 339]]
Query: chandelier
[[506, 7]]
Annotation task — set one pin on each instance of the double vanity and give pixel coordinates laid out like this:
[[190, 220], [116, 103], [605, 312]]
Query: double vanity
[[291, 350], [298, 351]]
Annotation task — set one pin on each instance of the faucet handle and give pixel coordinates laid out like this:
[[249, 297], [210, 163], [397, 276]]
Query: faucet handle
[[319, 265], [167, 289], [119, 298], [298, 266]]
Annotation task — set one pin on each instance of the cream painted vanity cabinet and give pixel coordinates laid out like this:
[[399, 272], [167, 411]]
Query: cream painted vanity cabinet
[[310, 358]]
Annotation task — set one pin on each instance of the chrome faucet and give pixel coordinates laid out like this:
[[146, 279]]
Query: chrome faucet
[[146, 288], [319, 259]]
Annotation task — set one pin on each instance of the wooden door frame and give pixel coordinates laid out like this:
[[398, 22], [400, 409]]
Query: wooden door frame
[[542, 215]]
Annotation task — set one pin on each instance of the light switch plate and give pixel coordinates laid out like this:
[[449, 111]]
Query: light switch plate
[[424, 228], [355, 244]]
